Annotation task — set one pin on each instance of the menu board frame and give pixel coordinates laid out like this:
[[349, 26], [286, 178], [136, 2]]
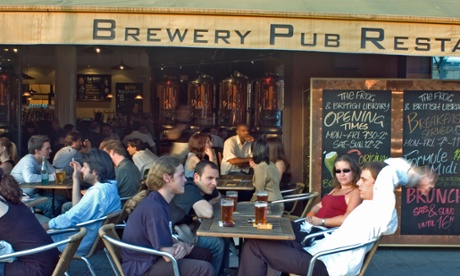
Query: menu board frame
[[94, 87], [397, 88]]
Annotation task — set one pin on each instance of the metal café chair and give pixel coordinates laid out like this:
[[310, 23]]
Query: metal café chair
[[65, 257], [97, 245], [112, 249], [296, 198]]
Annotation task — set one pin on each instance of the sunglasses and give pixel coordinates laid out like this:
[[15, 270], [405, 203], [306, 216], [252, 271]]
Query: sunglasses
[[344, 171]]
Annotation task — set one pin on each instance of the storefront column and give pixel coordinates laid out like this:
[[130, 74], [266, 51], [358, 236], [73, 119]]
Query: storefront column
[[65, 91]]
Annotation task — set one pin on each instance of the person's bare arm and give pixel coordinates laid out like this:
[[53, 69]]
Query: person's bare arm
[[76, 194], [203, 209], [240, 162], [215, 200]]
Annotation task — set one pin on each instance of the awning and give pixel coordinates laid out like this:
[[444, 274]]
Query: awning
[[421, 27]]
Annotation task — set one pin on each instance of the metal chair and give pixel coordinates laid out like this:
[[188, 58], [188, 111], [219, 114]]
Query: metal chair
[[296, 198], [66, 256], [112, 249], [97, 245]]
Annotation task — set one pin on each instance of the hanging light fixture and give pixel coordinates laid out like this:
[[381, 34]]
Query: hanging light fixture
[[121, 65], [139, 97]]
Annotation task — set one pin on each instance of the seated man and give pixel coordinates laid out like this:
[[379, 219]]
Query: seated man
[[237, 152], [145, 137], [197, 201], [73, 150], [374, 217], [126, 173], [27, 170], [142, 156], [99, 200]]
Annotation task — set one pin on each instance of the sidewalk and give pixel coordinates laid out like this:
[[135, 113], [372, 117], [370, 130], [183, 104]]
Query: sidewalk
[[387, 261]]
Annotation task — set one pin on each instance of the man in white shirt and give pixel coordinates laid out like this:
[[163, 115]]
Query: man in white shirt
[[71, 152], [143, 158], [146, 138], [376, 216], [237, 152]]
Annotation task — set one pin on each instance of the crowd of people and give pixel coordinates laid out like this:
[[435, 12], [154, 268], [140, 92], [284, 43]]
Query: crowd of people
[[180, 189]]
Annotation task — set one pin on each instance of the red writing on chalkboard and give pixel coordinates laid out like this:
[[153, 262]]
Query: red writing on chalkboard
[[434, 196]]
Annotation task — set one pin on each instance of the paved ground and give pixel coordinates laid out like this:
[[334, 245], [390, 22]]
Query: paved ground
[[386, 262]]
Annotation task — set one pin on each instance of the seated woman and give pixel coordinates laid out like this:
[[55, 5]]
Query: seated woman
[[200, 148], [149, 225], [266, 175], [8, 155], [376, 216], [278, 157], [20, 228], [338, 204]]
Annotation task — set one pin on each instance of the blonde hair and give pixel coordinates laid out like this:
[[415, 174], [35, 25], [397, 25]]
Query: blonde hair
[[166, 164], [10, 148]]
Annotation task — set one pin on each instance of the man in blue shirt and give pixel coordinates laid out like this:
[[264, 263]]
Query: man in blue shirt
[[27, 170], [99, 200]]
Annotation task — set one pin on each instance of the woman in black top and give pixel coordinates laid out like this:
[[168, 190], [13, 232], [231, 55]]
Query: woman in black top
[[8, 155]]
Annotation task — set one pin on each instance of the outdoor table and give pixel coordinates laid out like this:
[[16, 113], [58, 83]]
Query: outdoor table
[[34, 201], [246, 209], [282, 229], [235, 183], [52, 185]]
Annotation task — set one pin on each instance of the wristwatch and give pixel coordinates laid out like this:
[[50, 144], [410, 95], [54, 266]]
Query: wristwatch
[[323, 222]]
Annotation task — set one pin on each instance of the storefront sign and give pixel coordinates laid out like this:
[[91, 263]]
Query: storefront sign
[[245, 32]]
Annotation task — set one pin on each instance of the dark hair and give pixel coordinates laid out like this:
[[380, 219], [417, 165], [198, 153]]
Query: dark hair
[[137, 143], [72, 137], [99, 161], [9, 189], [241, 125], [67, 128], [354, 166], [115, 145], [197, 143], [260, 151], [36, 143], [276, 151], [199, 168], [107, 125], [374, 167]]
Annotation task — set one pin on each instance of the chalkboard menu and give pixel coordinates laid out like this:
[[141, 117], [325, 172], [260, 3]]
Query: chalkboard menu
[[93, 87], [126, 98], [431, 136], [357, 122]]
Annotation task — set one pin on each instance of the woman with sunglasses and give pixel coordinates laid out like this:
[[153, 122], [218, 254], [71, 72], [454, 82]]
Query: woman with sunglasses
[[338, 204]]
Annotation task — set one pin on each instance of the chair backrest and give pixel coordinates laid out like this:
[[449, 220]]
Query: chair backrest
[[113, 244], [309, 204], [297, 190], [98, 245], [338, 250], [369, 256], [67, 255]]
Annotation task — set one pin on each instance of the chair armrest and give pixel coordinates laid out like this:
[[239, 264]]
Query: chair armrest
[[292, 198], [318, 234], [34, 250], [299, 195], [337, 250], [56, 231], [91, 221]]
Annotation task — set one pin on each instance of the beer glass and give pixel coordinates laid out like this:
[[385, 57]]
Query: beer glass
[[226, 206], [233, 195], [60, 176], [260, 210], [262, 195]]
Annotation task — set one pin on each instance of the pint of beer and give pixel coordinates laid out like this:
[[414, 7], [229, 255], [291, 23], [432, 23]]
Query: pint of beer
[[260, 210], [226, 206], [262, 195], [232, 195], [60, 176]]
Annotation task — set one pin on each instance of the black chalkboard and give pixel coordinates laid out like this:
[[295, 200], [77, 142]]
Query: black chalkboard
[[431, 136], [357, 122], [126, 98]]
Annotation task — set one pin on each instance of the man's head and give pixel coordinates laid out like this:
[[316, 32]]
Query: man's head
[[205, 176], [112, 146], [242, 130], [369, 173], [106, 130], [73, 139], [135, 145], [97, 167], [166, 171], [39, 145]]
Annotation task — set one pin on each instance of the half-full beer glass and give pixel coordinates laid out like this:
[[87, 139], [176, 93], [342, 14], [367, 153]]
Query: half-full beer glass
[[226, 206], [262, 195]]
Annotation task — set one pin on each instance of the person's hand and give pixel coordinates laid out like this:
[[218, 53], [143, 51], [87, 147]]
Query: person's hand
[[86, 146], [252, 164], [427, 181], [76, 168], [314, 220], [309, 216], [208, 152], [249, 138], [179, 250]]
